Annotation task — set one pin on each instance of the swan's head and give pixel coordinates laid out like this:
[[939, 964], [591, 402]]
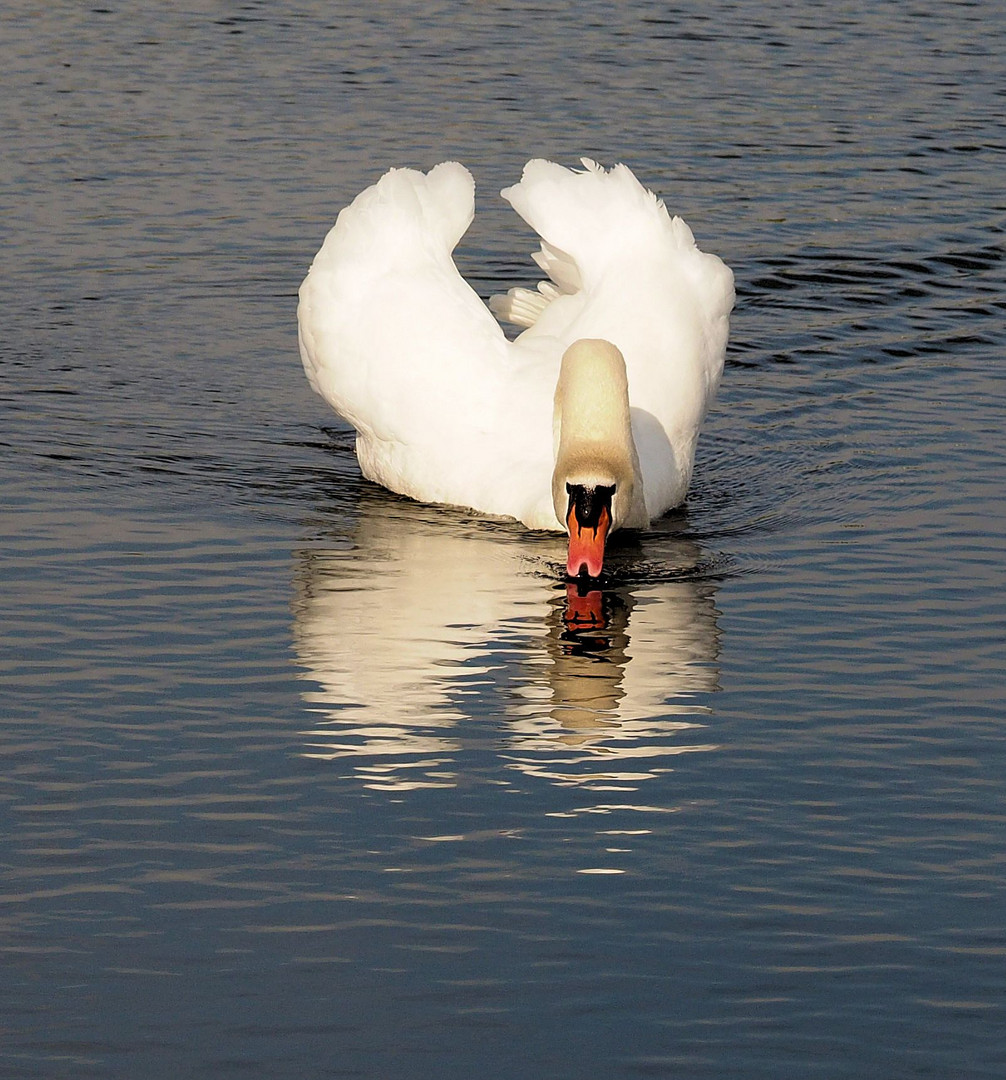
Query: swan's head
[[595, 486]]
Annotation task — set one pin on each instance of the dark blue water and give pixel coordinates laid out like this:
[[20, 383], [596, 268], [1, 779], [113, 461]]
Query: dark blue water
[[301, 779]]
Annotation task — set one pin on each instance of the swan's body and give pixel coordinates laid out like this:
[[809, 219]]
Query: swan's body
[[447, 410]]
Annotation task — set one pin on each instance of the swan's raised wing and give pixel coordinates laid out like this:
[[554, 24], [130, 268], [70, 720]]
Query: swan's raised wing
[[622, 269], [604, 235], [385, 319], [446, 410]]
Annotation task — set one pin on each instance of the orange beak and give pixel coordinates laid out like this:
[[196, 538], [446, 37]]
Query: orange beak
[[586, 543]]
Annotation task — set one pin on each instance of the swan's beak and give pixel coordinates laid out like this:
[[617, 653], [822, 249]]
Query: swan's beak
[[588, 520]]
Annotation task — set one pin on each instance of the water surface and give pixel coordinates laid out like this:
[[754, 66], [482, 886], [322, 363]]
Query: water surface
[[304, 779]]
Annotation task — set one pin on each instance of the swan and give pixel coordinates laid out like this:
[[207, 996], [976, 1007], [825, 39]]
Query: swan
[[587, 421]]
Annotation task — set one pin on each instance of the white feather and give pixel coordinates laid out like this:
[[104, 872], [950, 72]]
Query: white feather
[[448, 410]]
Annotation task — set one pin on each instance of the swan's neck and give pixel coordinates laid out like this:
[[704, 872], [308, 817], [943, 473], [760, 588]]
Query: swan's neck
[[595, 456]]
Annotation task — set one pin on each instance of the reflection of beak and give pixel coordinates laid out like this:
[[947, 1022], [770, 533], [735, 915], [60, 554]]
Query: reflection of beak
[[589, 521], [584, 609]]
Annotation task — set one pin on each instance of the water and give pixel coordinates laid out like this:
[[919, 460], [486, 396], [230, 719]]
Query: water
[[301, 779]]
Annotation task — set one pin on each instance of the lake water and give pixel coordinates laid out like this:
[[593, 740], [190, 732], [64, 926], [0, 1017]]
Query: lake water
[[301, 779]]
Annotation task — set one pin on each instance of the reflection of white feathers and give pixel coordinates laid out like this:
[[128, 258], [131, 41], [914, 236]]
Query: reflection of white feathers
[[424, 624], [446, 409]]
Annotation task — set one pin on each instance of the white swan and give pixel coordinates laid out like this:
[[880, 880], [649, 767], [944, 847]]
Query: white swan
[[587, 422]]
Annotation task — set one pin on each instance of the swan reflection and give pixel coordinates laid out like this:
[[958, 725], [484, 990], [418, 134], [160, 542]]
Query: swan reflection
[[428, 636]]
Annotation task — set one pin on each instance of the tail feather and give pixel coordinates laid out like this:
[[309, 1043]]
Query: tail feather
[[521, 306], [559, 266]]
